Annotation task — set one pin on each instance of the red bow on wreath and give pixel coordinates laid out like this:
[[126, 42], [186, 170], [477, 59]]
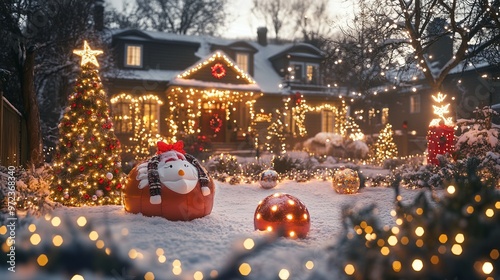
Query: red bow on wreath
[[164, 147]]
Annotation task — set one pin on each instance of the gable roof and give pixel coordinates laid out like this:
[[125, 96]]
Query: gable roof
[[216, 70]]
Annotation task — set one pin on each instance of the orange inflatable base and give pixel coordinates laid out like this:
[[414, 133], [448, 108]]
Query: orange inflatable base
[[174, 206]]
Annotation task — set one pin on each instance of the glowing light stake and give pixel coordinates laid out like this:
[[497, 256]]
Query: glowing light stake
[[440, 136], [283, 214], [440, 111]]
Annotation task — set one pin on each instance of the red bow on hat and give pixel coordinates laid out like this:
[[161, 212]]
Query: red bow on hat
[[164, 147]]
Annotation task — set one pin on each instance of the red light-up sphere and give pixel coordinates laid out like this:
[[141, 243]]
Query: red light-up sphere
[[268, 179], [346, 181], [284, 214]]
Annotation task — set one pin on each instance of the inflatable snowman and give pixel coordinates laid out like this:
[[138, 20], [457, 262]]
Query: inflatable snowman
[[172, 184]]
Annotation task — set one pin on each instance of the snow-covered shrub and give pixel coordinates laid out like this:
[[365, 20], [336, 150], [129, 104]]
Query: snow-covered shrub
[[477, 136], [32, 191], [332, 144], [223, 166], [415, 174], [252, 170], [284, 164], [357, 149], [489, 169], [442, 218]]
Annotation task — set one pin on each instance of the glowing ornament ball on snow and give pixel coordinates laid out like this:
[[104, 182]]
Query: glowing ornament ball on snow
[[346, 181], [268, 179], [172, 184], [284, 214]]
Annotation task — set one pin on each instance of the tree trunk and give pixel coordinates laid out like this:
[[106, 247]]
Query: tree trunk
[[31, 111]]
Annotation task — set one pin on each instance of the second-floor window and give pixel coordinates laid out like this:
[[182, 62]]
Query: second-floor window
[[242, 61], [414, 104], [311, 73], [133, 55]]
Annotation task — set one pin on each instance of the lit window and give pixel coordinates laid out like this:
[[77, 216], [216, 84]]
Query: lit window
[[327, 121], [122, 116], [150, 115], [133, 55], [415, 104], [311, 73], [385, 115], [242, 61]]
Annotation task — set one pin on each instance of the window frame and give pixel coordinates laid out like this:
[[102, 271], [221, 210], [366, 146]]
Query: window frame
[[415, 104], [141, 58], [247, 62]]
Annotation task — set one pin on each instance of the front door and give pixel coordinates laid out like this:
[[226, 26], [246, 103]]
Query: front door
[[213, 124]]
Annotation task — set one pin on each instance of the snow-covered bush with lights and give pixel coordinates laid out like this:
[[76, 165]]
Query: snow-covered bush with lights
[[32, 191], [223, 166], [455, 236]]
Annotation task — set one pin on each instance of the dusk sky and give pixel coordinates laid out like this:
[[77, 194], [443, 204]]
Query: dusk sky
[[245, 24]]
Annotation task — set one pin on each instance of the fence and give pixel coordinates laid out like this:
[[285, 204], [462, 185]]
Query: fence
[[13, 141]]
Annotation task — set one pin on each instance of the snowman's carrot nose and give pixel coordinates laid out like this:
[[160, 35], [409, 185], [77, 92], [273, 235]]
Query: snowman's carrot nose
[[181, 172]]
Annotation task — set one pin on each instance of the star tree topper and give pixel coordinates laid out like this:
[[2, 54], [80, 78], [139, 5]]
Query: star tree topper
[[88, 55]]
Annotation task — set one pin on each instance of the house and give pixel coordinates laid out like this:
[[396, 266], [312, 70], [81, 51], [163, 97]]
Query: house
[[170, 86], [410, 110]]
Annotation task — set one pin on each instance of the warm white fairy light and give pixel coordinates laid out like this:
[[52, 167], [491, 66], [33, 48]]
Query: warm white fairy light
[[88, 55]]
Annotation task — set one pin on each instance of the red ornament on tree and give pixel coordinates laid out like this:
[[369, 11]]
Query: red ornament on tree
[[284, 214]]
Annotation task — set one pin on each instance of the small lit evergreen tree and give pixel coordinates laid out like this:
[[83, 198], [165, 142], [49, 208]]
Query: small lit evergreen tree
[[385, 148], [87, 166]]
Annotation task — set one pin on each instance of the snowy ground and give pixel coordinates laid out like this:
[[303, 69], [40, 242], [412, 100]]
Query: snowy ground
[[209, 243]]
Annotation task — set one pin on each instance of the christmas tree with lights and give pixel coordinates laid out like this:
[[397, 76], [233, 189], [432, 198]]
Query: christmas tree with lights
[[87, 166], [385, 148]]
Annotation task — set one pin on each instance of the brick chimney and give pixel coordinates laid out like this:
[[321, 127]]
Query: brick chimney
[[262, 36], [99, 15]]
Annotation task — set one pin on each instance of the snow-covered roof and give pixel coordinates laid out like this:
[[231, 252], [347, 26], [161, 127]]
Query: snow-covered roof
[[266, 77], [149, 75]]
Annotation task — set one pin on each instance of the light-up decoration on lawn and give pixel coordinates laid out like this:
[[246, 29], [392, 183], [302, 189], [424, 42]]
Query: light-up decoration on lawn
[[171, 184], [268, 179], [440, 136], [283, 214], [346, 181]]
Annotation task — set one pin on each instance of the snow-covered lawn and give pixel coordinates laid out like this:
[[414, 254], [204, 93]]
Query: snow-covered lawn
[[209, 243]]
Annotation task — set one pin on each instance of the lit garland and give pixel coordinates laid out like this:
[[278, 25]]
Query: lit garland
[[87, 163]]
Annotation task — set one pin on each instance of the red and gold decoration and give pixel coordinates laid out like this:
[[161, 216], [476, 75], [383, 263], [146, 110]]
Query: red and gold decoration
[[172, 184], [282, 214], [87, 164], [218, 71], [268, 179], [440, 137], [346, 181]]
